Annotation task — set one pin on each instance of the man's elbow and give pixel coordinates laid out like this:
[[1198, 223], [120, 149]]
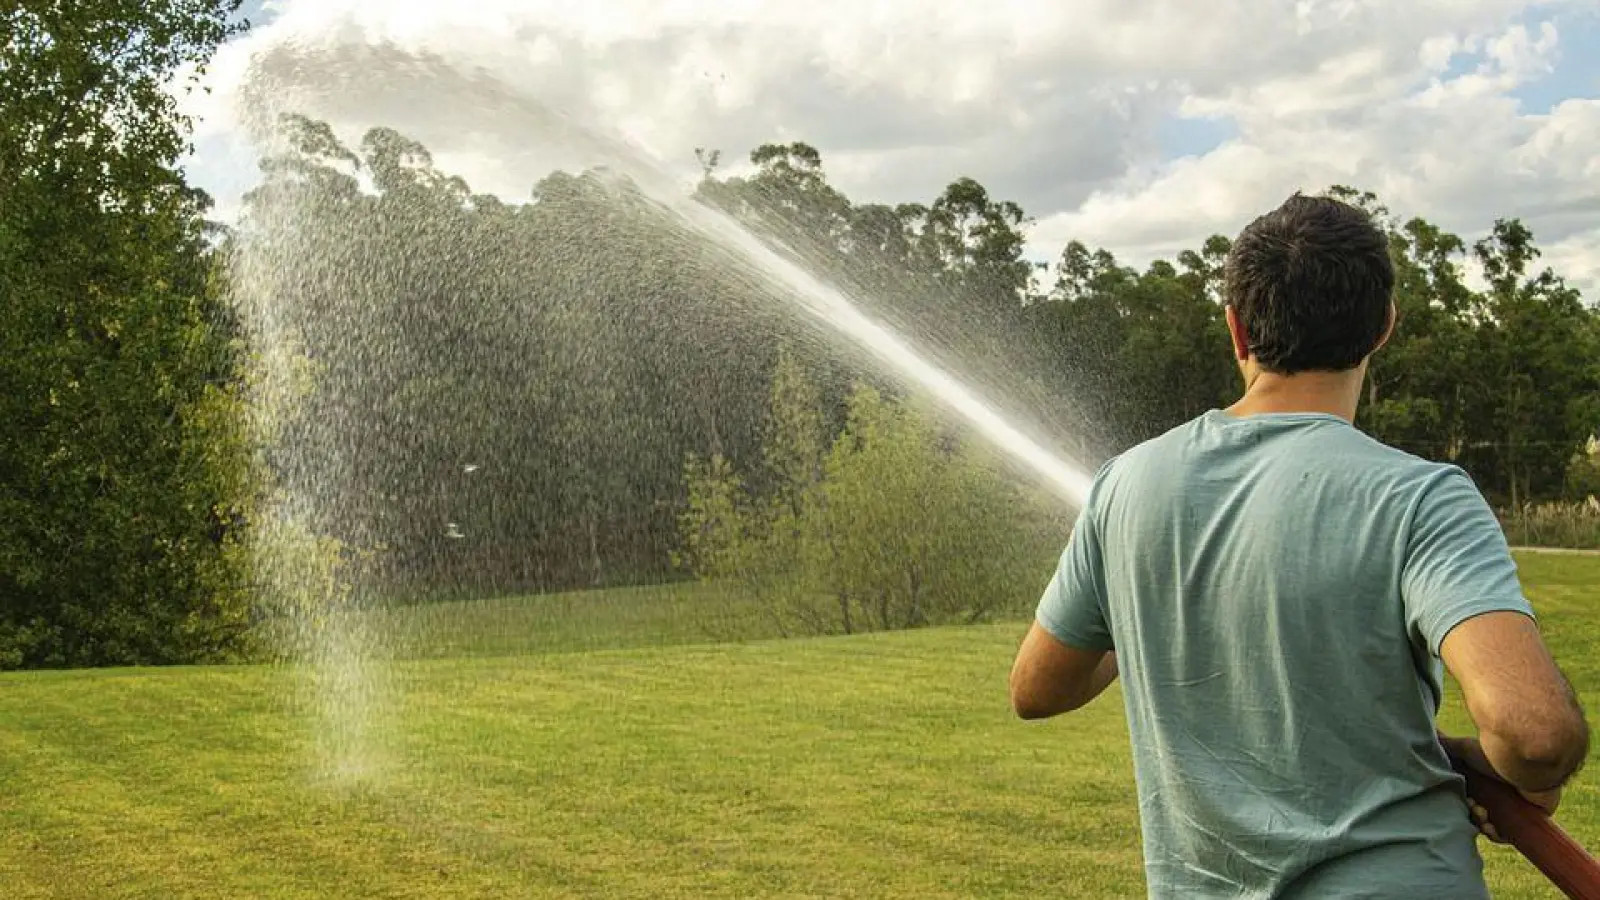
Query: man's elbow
[[1029, 710], [1031, 704], [1539, 753], [1558, 750]]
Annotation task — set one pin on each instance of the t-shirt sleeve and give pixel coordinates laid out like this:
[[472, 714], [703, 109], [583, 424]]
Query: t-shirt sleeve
[[1458, 563], [1073, 608]]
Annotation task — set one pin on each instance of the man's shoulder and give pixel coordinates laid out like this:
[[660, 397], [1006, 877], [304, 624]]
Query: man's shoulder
[[1135, 464], [1377, 459], [1340, 445], [1158, 451]]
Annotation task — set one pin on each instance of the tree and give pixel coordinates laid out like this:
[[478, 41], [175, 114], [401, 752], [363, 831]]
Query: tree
[[901, 524], [1140, 351], [764, 539], [1535, 351], [576, 347], [124, 473]]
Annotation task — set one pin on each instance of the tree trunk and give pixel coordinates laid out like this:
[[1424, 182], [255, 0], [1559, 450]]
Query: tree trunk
[[770, 605], [714, 436], [914, 585], [843, 594], [596, 566]]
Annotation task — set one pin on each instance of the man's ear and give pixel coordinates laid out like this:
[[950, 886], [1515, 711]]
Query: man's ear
[[1389, 326], [1241, 339]]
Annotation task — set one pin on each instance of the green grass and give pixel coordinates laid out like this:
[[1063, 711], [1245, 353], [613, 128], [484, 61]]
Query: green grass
[[868, 766], [616, 618]]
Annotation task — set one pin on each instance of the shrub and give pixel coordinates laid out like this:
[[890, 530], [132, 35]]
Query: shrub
[[1569, 525]]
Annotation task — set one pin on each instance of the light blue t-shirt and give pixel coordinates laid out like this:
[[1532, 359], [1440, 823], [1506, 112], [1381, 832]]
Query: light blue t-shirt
[[1276, 588]]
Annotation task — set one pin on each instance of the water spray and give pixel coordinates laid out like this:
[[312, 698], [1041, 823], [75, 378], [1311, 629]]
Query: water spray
[[284, 79]]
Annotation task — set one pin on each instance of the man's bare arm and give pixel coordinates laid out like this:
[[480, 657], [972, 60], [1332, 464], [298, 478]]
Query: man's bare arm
[[1050, 678], [1530, 724]]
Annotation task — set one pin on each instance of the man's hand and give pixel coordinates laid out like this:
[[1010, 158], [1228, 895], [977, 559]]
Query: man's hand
[[1470, 752]]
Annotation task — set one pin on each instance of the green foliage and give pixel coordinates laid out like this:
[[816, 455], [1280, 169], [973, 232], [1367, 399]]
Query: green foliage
[[571, 351], [899, 524], [88, 114], [1535, 349], [718, 531], [1583, 475], [124, 469], [1501, 382], [580, 346], [927, 528], [731, 535], [1141, 351], [304, 581]]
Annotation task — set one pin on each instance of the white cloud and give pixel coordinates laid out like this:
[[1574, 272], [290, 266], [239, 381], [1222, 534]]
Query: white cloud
[[1457, 150], [1049, 102]]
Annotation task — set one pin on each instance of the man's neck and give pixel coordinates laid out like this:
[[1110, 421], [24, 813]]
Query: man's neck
[[1330, 393]]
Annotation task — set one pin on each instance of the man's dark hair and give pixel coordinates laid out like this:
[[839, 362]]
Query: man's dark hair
[[1311, 282]]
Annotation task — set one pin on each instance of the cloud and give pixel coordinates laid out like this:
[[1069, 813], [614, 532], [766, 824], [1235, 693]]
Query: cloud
[[1059, 105], [1456, 148]]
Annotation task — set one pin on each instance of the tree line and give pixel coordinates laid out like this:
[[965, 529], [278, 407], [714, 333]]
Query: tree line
[[462, 394]]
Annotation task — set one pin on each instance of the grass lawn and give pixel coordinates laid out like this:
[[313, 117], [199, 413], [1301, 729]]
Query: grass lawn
[[612, 619], [869, 766]]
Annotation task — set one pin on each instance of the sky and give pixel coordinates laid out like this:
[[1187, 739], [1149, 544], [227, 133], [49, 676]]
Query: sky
[[1142, 126]]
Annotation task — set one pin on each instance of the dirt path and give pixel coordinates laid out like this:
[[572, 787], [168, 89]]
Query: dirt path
[[1569, 551]]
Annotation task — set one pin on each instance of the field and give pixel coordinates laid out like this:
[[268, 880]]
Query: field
[[646, 762]]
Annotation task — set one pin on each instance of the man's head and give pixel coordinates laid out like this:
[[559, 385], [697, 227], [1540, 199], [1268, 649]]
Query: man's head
[[1310, 288]]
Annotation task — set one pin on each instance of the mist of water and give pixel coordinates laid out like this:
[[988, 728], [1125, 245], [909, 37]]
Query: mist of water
[[832, 308], [357, 84], [322, 80]]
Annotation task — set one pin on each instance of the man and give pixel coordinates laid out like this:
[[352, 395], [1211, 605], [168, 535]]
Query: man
[[1279, 591]]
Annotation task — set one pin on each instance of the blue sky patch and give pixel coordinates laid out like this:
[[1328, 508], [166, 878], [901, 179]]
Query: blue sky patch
[[1178, 136], [256, 12], [1577, 70], [1577, 65]]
